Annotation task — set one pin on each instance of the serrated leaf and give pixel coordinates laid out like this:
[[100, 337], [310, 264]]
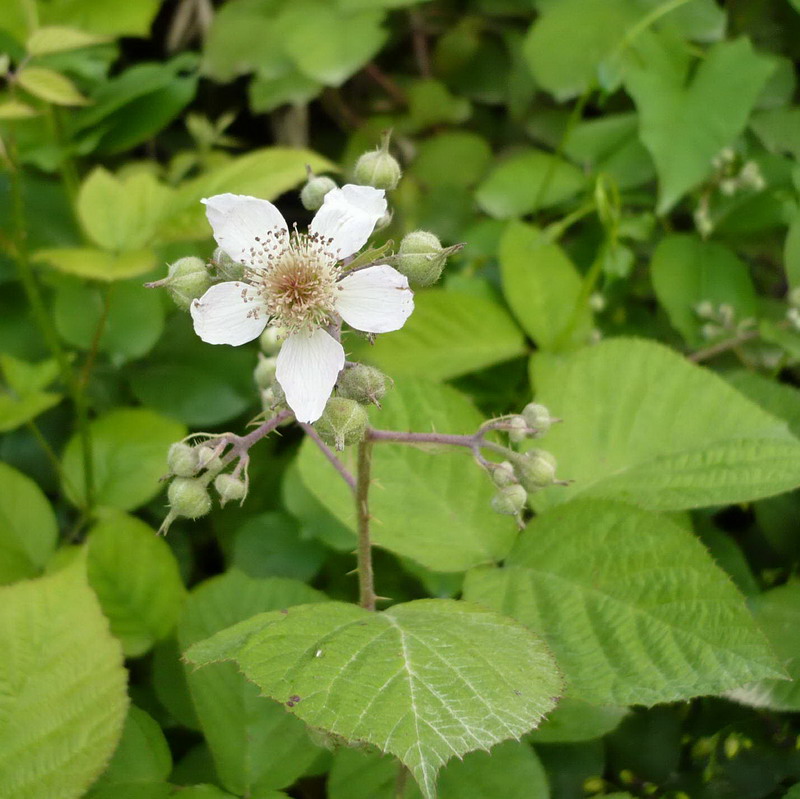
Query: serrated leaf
[[633, 607], [49, 85], [777, 612], [543, 288], [685, 121], [130, 451], [430, 504], [28, 530], [57, 38], [448, 335], [574, 720], [644, 425], [255, 744], [136, 578], [687, 271], [64, 687], [413, 680], [95, 264]]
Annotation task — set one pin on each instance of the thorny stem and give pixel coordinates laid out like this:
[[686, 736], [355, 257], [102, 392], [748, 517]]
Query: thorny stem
[[330, 455], [366, 578]]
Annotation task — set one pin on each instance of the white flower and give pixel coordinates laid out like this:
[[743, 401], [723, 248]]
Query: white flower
[[294, 281]]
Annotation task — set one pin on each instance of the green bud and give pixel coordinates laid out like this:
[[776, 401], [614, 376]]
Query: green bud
[[503, 474], [420, 258], [187, 280], [188, 497], [509, 500], [538, 419], [273, 398], [230, 488], [226, 266], [362, 383], [208, 459], [342, 422], [271, 340], [182, 460], [313, 193], [535, 469], [378, 168], [264, 373], [517, 429]]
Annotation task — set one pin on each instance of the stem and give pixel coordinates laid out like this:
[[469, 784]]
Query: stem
[[366, 578], [474, 442], [723, 346], [400, 781], [95, 345], [330, 455]]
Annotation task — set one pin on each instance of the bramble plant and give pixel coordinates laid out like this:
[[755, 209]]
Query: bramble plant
[[399, 399]]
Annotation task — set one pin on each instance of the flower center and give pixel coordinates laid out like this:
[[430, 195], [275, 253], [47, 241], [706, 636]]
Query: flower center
[[298, 282]]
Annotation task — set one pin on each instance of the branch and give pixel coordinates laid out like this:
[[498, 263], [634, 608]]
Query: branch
[[330, 455]]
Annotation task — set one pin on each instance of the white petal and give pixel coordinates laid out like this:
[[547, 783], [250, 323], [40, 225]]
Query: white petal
[[348, 216], [242, 225], [308, 365], [229, 313], [375, 300]]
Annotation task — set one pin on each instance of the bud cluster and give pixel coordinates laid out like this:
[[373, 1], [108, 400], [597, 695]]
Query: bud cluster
[[720, 321]]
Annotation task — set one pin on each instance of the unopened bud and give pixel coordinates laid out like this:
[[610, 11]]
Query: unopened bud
[[230, 488], [538, 419], [509, 500], [535, 469], [751, 177], [188, 497], [705, 310], [362, 383], [313, 193], [342, 422], [378, 168], [182, 460], [208, 459], [517, 429], [421, 258], [271, 339], [228, 268], [264, 373], [503, 474], [186, 280]]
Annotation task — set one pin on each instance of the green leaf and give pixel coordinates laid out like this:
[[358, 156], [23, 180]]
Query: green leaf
[[511, 771], [452, 158], [687, 271], [265, 94], [526, 182], [634, 609], [142, 756], [567, 44], [50, 86], [414, 680], [778, 129], [21, 396], [255, 744], [57, 38], [644, 425], [136, 578], [97, 16], [88, 262], [431, 103], [122, 214], [574, 720], [430, 504], [16, 109], [685, 121], [777, 611], [543, 288], [28, 529], [129, 447], [779, 399], [64, 687], [791, 253], [448, 335]]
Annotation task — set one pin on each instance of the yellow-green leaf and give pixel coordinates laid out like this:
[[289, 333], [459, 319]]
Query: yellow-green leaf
[[57, 38], [49, 85], [98, 264]]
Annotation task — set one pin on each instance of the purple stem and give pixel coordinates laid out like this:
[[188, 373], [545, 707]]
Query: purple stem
[[330, 455]]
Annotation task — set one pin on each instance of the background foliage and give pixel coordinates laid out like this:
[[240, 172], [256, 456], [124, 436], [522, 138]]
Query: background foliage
[[625, 176]]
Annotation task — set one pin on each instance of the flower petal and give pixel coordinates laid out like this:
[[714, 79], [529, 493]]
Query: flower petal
[[242, 225], [348, 216], [229, 313], [375, 300], [307, 368]]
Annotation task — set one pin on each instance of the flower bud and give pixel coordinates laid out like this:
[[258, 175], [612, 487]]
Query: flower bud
[[362, 383], [188, 497], [538, 419], [226, 266], [182, 460], [509, 500], [421, 258], [271, 339], [273, 398], [378, 168], [230, 488], [264, 373], [535, 469], [342, 422], [208, 459], [503, 474], [186, 280], [313, 193], [517, 429]]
